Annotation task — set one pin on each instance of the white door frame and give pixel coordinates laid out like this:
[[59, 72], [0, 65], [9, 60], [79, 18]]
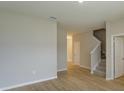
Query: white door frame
[[112, 53]]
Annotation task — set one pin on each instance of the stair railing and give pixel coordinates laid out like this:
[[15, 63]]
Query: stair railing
[[95, 55]]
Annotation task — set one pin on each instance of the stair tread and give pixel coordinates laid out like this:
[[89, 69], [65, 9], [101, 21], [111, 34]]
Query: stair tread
[[102, 64], [99, 73], [103, 60], [101, 68]]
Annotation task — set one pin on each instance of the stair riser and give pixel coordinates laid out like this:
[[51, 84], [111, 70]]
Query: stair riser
[[102, 64], [101, 69], [98, 73]]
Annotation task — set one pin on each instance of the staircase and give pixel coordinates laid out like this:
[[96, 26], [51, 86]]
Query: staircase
[[100, 68]]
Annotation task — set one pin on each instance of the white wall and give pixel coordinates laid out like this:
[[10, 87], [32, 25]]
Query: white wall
[[28, 49], [112, 28], [61, 48], [87, 43]]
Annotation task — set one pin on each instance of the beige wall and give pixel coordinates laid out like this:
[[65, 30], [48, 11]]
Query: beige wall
[[87, 43], [112, 28], [76, 53]]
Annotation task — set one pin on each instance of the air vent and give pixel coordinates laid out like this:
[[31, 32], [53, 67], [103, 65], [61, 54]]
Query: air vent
[[52, 18]]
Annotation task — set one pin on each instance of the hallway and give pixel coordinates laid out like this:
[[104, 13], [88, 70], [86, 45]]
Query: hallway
[[76, 78]]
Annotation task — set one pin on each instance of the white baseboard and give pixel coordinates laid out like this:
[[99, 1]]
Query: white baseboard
[[63, 69], [109, 78], [91, 72], [85, 67], [28, 83]]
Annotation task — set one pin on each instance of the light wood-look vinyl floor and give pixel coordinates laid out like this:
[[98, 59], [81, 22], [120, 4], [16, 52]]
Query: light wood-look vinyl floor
[[75, 79]]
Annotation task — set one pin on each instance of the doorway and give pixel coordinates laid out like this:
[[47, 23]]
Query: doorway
[[69, 48], [73, 50], [118, 57]]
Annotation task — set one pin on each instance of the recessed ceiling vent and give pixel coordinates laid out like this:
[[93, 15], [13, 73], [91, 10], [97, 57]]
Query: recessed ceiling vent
[[52, 18]]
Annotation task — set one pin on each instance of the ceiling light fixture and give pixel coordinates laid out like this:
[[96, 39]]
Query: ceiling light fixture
[[80, 1]]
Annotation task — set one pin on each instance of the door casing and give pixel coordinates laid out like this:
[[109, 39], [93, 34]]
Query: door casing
[[112, 56], [118, 56]]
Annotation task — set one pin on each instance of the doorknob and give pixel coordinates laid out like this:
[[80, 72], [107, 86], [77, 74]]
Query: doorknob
[[122, 58]]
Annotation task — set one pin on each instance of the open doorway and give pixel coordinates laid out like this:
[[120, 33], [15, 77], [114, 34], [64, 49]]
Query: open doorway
[[73, 50], [69, 48], [118, 56]]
